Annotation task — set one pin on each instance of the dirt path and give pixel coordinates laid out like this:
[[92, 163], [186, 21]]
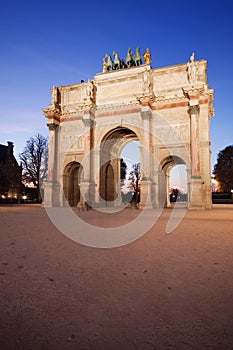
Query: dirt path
[[163, 291]]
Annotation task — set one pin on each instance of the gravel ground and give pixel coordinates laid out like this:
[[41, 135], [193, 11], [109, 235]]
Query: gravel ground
[[163, 291]]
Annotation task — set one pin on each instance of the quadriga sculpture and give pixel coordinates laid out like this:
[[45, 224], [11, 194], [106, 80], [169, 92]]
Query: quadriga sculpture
[[130, 61]]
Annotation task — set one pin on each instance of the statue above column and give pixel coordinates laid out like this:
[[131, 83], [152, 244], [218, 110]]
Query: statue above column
[[192, 68]]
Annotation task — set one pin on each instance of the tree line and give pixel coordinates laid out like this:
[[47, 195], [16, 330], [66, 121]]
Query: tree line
[[223, 169]]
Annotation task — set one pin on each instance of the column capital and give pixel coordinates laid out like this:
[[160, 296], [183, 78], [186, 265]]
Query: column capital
[[146, 115], [52, 126], [88, 122], [194, 110]]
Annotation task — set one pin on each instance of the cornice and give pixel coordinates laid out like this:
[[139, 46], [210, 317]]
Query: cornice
[[193, 91], [165, 102], [169, 99], [52, 112], [116, 107], [71, 113], [77, 108]]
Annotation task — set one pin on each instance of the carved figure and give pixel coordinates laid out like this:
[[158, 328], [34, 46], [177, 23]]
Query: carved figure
[[109, 61], [147, 56], [137, 57], [89, 89], [116, 61], [192, 70], [146, 81], [104, 69], [129, 58]]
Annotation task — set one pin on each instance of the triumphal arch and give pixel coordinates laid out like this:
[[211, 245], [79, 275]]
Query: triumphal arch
[[166, 109]]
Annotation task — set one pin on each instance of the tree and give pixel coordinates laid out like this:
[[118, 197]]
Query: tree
[[34, 160], [223, 170], [134, 176], [123, 170]]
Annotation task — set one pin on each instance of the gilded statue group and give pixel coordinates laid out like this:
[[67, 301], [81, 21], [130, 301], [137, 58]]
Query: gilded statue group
[[130, 61]]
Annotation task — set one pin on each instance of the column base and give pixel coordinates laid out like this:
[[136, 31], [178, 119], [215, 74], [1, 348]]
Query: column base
[[196, 199], [145, 195], [87, 198], [51, 194]]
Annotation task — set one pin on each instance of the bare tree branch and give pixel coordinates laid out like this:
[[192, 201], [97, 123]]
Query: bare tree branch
[[34, 160]]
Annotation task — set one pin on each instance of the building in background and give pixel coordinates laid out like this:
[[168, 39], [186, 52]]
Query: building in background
[[10, 174]]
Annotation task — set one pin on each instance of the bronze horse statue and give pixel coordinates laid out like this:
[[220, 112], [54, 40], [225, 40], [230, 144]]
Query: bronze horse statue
[[137, 57], [116, 62], [109, 62], [129, 59]]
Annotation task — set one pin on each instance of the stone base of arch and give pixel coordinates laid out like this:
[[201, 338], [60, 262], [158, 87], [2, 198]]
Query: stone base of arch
[[51, 194], [87, 198], [145, 194], [196, 200]]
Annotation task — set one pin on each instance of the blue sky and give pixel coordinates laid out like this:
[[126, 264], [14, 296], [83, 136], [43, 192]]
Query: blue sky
[[46, 43]]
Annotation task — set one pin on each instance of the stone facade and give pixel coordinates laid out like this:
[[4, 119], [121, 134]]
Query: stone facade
[[167, 109]]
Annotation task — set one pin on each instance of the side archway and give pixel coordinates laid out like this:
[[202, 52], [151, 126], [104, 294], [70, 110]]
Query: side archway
[[166, 165], [72, 176], [108, 190]]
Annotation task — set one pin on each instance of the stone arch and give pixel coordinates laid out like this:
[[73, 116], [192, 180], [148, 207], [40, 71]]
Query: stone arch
[[165, 167], [109, 193], [110, 150], [171, 115], [72, 176]]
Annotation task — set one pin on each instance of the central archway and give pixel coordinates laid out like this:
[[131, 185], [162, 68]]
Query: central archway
[[110, 161]]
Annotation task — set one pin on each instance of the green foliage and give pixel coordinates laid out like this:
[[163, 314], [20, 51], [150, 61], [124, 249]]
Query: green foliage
[[223, 170]]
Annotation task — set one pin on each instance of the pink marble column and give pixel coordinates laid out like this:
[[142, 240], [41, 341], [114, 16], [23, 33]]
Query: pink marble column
[[52, 152], [88, 144], [195, 142], [145, 166]]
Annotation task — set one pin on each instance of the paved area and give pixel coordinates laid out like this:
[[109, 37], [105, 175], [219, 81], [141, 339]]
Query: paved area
[[163, 291]]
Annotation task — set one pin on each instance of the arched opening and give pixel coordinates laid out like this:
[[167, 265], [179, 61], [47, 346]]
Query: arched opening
[[110, 164], [72, 177], [173, 187], [109, 190], [178, 183], [130, 185]]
